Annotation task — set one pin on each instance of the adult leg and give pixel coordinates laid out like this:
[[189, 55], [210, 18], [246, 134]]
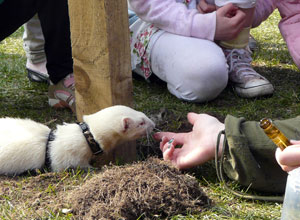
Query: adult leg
[[34, 41], [194, 69], [13, 14], [33, 44], [54, 18]]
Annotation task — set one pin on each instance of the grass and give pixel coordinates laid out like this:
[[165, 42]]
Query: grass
[[21, 98]]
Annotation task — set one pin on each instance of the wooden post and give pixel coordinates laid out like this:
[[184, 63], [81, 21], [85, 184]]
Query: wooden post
[[101, 53]]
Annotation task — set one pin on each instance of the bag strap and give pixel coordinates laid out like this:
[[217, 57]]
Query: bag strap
[[220, 174]]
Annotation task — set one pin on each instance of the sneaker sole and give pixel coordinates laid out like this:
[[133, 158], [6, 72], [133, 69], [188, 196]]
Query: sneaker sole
[[261, 90], [56, 103]]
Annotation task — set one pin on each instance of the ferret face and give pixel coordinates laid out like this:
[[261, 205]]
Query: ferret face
[[136, 127], [117, 124]]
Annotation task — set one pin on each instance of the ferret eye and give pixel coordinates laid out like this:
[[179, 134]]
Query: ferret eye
[[142, 123]]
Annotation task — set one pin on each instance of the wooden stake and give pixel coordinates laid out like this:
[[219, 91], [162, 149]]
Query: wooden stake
[[101, 53]]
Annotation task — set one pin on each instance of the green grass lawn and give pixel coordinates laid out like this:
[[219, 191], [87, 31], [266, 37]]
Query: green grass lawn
[[21, 98]]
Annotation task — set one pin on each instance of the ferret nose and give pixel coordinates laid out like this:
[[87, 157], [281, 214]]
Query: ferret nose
[[152, 125]]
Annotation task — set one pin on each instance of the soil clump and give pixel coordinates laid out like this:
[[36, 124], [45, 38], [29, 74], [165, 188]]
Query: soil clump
[[148, 189]]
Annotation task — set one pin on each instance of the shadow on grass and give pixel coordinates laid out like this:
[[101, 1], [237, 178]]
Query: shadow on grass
[[277, 53], [151, 97]]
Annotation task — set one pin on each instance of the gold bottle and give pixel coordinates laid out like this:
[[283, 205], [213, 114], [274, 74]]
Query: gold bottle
[[274, 133]]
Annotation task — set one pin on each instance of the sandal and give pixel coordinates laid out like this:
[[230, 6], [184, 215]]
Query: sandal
[[62, 94], [34, 76]]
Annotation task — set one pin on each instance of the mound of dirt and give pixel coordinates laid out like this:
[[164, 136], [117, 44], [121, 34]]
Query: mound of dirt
[[149, 189]]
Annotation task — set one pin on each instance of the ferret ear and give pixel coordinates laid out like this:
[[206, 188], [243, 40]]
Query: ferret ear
[[127, 123]]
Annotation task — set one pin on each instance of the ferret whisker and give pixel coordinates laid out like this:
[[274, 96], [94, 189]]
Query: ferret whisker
[[149, 138], [156, 129]]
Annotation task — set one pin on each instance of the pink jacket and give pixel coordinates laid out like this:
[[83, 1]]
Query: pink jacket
[[289, 25], [174, 17]]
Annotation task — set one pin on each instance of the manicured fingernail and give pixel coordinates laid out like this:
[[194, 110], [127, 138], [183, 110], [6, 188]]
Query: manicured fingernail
[[171, 141]]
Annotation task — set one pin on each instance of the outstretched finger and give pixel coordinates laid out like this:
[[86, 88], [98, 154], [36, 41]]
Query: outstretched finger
[[179, 137], [159, 135]]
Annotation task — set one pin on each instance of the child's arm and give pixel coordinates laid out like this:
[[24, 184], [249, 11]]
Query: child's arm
[[175, 17], [289, 158]]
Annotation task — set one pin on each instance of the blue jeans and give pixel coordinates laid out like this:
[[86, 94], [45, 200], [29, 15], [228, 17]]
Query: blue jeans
[[132, 17]]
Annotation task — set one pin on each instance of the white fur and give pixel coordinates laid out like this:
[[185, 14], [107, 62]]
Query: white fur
[[23, 141], [22, 145]]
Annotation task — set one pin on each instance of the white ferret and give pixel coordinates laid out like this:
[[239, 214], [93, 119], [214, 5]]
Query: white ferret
[[28, 145]]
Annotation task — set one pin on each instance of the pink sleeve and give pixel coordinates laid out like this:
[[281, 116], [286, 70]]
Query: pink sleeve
[[263, 9], [176, 18]]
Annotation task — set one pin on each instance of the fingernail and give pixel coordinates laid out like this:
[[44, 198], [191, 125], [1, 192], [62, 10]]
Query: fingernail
[[170, 141]]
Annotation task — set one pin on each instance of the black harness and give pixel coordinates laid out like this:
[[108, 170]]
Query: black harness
[[51, 137], [93, 144]]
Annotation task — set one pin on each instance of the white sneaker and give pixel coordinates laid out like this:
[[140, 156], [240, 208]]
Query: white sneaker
[[246, 81]]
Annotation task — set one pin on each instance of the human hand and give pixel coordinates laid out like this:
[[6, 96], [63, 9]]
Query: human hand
[[203, 7], [198, 146], [289, 158], [230, 21]]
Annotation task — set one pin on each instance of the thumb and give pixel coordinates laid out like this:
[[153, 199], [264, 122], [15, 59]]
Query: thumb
[[295, 142], [192, 117]]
